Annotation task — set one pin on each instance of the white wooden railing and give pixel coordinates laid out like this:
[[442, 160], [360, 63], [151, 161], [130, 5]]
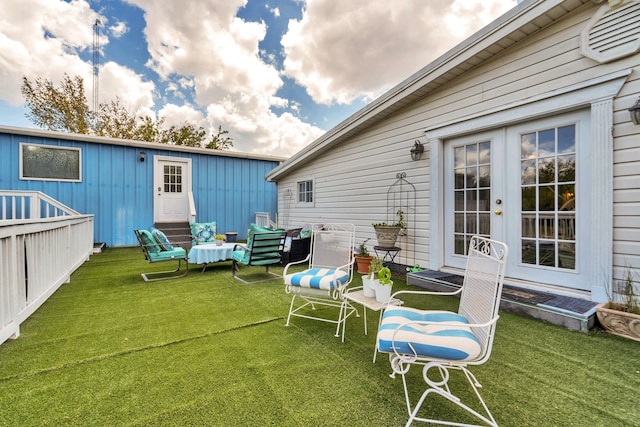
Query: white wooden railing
[[192, 207], [37, 253], [263, 219]]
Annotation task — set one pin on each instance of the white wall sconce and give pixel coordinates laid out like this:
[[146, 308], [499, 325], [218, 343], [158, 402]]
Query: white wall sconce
[[417, 150], [142, 156], [635, 112]]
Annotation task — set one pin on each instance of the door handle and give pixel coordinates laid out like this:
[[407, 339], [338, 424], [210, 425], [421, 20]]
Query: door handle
[[498, 212]]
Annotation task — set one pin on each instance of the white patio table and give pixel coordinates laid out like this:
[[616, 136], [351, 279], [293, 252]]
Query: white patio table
[[210, 252]]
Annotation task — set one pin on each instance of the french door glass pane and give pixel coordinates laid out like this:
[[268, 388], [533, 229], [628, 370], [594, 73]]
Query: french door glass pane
[[548, 189], [472, 193]]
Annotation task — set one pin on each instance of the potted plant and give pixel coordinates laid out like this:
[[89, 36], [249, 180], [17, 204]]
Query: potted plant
[[387, 234], [621, 314], [220, 238], [363, 259], [369, 281], [383, 290]]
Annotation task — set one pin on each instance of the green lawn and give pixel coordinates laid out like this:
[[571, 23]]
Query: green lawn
[[109, 349]]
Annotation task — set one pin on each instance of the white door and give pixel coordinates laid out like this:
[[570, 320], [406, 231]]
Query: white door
[[172, 185], [527, 185]]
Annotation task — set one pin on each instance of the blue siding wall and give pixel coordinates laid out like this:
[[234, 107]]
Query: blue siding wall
[[118, 189]]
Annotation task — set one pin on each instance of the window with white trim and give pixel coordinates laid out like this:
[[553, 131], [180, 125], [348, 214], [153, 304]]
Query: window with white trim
[[305, 191]]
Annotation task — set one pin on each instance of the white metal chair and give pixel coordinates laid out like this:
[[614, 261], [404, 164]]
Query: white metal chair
[[328, 273], [442, 341]]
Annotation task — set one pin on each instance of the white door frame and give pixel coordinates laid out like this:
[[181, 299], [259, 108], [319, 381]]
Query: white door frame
[[158, 163], [596, 95]]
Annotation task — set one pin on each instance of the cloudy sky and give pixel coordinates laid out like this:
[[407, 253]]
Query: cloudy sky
[[276, 74]]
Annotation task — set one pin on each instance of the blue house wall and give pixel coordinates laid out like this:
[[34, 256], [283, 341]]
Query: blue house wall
[[118, 188]]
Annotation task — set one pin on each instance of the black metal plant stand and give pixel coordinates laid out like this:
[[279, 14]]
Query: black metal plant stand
[[401, 196]]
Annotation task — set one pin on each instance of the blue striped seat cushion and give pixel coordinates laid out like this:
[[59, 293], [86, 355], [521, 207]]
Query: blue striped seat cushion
[[317, 278], [433, 340]]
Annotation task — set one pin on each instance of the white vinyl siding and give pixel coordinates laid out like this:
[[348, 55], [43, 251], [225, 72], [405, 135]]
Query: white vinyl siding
[[352, 176]]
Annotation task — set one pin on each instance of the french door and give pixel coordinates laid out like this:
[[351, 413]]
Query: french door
[[528, 186]]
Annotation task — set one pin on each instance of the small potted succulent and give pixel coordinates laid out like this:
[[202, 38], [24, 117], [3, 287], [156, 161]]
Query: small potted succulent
[[363, 259], [220, 239], [383, 290], [369, 281]]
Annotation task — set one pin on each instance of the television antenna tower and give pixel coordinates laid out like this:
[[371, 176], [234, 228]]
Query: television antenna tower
[[96, 65]]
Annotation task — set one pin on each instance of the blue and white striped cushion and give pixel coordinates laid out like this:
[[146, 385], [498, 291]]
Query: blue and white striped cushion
[[429, 340], [317, 278]]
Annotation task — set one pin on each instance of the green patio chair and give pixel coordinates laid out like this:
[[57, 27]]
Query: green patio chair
[[157, 248], [264, 248]]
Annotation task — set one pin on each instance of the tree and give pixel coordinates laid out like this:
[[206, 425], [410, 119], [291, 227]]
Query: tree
[[114, 120], [186, 134], [65, 109], [219, 141]]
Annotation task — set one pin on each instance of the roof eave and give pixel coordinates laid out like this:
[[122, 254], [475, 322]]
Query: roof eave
[[42, 133]]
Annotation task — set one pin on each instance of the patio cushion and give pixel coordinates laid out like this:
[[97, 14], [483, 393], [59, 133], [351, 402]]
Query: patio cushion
[[318, 278], [162, 240], [177, 253], [204, 232], [429, 338], [254, 228], [149, 242]]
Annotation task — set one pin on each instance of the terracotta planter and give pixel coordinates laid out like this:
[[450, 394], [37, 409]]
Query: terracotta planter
[[619, 322], [363, 263], [386, 235]]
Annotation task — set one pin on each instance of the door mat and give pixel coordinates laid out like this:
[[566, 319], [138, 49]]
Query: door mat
[[576, 305], [525, 295], [512, 293]]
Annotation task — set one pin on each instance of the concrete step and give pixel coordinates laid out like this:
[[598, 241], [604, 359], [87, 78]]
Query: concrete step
[[572, 313]]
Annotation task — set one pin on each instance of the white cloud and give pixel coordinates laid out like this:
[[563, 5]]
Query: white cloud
[[118, 29], [341, 51], [122, 82], [207, 43], [42, 43], [46, 44], [178, 115], [274, 10]]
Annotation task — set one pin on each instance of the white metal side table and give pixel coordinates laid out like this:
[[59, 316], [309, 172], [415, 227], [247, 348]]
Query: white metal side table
[[357, 296]]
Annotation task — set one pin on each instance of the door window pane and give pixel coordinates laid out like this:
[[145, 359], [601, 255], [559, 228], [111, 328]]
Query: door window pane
[[567, 168], [528, 172], [459, 200], [172, 179], [548, 188], [472, 193]]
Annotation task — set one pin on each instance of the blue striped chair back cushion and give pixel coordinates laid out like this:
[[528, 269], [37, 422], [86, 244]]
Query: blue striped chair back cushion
[[429, 338], [317, 278]]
